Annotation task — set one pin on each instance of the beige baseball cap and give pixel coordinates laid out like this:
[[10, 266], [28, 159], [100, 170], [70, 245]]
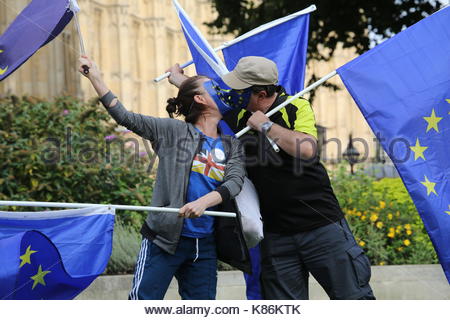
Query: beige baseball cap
[[252, 71]]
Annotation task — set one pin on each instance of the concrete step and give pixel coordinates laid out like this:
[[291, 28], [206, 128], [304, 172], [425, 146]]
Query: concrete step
[[411, 282]]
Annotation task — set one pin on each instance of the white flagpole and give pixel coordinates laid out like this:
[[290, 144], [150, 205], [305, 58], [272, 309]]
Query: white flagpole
[[288, 101], [273, 144], [75, 9], [253, 32], [77, 26], [113, 206]]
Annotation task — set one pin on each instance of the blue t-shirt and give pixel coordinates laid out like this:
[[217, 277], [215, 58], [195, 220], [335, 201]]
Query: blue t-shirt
[[208, 169]]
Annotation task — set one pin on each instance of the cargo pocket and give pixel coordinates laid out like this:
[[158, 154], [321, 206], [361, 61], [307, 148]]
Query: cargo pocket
[[361, 265]]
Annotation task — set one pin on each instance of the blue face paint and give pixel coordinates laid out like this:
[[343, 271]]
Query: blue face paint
[[228, 99]]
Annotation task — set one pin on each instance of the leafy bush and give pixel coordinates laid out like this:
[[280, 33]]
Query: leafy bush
[[69, 151], [126, 244], [383, 219]]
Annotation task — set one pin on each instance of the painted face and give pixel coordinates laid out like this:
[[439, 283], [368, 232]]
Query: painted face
[[228, 99]]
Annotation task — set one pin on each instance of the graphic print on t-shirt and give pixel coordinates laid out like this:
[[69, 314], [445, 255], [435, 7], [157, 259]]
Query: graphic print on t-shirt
[[210, 163], [207, 173]]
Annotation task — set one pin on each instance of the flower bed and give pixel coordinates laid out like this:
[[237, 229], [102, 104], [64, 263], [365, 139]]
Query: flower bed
[[383, 218]]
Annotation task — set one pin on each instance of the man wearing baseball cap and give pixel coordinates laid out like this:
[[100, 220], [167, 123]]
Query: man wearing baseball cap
[[252, 71], [304, 227]]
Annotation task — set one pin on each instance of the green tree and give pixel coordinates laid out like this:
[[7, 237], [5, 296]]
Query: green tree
[[353, 23]]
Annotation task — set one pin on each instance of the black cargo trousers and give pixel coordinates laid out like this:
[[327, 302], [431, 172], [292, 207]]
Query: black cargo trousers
[[330, 253]]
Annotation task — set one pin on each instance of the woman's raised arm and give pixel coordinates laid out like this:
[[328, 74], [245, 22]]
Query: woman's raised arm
[[95, 77], [151, 128]]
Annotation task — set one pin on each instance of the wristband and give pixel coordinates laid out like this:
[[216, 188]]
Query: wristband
[[107, 99]]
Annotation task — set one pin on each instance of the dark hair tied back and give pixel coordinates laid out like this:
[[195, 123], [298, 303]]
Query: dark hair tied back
[[172, 106], [184, 104]]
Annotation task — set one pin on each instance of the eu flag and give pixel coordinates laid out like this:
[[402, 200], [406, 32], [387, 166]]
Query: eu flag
[[55, 254], [38, 24], [284, 43], [403, 90], [207, 62]]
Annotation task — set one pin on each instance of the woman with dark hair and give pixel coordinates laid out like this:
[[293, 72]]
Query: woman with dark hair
[[199, 168]]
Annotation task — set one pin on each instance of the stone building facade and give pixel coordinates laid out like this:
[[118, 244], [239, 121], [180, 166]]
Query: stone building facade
[[133, 41]]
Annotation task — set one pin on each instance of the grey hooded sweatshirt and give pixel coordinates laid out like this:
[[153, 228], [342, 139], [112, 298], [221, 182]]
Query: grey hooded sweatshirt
[[176, 144]]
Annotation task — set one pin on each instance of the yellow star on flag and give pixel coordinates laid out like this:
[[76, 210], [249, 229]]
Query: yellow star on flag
[[39, 277], [430, 186], [3, 71], [448, 100], [448, 212], [418, 150], [432, 121], [26, 257]]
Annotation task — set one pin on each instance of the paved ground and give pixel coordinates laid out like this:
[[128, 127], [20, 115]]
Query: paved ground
[[415, 282]]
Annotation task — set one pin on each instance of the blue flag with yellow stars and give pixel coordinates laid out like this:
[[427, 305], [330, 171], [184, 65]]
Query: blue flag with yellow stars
[[55, 254], [403, 90], [38, 24]]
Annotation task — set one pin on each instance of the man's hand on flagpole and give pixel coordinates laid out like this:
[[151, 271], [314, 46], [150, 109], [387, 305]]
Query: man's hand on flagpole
[[177, 75], [295, 143], [256, 120]]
